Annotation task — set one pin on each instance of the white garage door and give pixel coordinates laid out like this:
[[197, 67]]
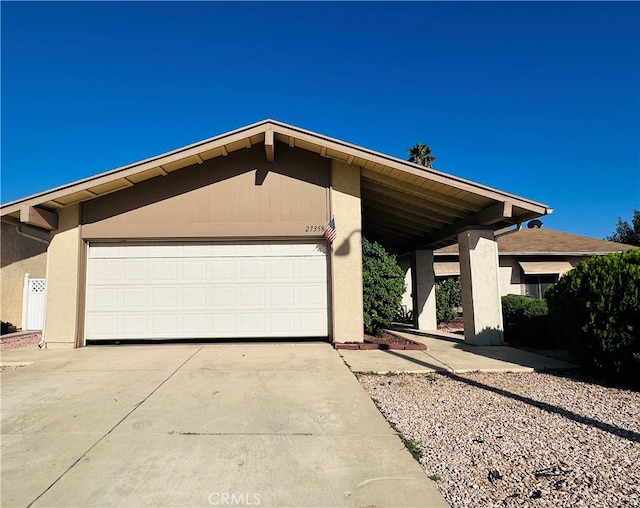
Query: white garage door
[[196, 290]]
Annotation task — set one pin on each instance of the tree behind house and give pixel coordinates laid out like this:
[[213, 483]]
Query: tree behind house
[[421, 154], [627, 233]]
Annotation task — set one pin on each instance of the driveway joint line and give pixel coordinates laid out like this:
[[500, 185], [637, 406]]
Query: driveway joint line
[[136, 406]]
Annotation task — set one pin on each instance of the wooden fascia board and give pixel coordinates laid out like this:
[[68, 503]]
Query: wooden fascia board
[[39, 217]]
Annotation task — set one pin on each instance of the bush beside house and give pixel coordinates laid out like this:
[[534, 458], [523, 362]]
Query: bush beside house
[[526, 322], [595, 309], [448, 299], [383, 287]]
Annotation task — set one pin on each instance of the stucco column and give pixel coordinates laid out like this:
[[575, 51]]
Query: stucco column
[[481, 302], [423, 283], [346, 254], [62, 280]]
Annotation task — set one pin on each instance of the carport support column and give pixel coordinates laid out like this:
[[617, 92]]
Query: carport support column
[[481, 302], [62, 280], [346, 254], [423, 284]]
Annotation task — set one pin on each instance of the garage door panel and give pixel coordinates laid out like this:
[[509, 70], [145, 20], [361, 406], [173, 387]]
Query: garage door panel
[[222, 297], [105, 299], [135, 298], [312, 295], [164, 271], [282, 323], [221, 270], [133, 325], [135, 270], [312, 269], [192, 270], [164, 325], [223, 324], [250, 297], [252, 323], [251, 270], [193, 297], [282, 270], [199, 290], [281, 296], [164, 298], [193, 325], [311, 321], [105, 271]]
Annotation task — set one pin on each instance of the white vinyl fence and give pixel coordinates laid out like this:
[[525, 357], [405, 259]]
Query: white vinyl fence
[[33, 303]]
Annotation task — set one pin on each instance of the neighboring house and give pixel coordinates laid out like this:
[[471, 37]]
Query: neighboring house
[[531, 259], [225, 239], [23, 249]]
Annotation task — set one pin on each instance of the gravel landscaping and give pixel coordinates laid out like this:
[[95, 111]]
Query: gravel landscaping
[[518, 439]]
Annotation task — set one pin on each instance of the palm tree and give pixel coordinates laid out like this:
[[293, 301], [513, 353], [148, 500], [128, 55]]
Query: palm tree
[[421, 154]]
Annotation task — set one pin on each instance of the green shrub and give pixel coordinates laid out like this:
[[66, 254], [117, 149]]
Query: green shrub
[[595, 308], [448, 299], [383, 287], [526, 322]]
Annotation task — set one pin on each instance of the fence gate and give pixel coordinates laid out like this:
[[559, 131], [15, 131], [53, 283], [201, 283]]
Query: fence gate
[[33, 303]]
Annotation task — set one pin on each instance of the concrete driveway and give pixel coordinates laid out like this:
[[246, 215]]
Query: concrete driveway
[[198, 425]]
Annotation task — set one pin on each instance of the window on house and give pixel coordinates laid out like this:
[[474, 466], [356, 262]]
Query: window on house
[[535, 285]]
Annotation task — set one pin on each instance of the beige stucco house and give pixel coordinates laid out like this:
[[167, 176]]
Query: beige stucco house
[[224, 239], [531, 258]]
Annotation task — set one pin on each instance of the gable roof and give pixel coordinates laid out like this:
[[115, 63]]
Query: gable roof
[[542, 241], [404, 205]]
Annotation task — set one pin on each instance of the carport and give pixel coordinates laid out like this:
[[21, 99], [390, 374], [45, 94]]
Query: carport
[[264, 192]]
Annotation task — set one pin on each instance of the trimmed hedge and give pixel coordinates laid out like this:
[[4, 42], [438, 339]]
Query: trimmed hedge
[[383, 287], [448, 299], [595, 309], [526, 322]]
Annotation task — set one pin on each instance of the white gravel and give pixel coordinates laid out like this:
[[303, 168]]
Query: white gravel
[[518, 439]]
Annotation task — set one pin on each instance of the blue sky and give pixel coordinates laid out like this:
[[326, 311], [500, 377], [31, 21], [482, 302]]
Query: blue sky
[[538, 99]]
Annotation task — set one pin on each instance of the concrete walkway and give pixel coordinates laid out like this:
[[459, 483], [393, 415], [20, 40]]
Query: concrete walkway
[[198, 425], [447, 352]]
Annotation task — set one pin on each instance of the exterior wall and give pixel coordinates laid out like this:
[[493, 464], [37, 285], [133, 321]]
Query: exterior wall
[[63, 283], [18, 255], [241, 195], [510, 276], [346, 254]]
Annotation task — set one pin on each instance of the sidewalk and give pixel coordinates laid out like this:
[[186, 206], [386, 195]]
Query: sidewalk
[[448, 352]]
